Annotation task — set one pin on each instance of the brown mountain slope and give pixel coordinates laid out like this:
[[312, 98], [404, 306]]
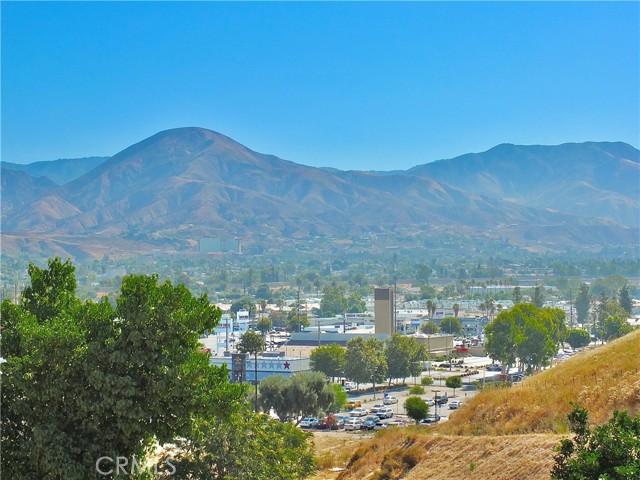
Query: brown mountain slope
[[509, 433]]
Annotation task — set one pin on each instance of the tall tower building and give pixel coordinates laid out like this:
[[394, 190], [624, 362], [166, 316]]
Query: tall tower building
[[385, 310]]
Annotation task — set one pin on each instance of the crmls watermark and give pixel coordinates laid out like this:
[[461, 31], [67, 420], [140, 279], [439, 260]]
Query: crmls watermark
[[125, 466]]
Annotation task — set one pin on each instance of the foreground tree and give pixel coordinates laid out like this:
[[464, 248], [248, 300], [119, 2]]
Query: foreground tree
[[244, 446], [610, 451], [86, 380]]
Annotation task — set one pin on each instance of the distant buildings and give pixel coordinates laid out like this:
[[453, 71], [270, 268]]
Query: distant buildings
[[219, 245]]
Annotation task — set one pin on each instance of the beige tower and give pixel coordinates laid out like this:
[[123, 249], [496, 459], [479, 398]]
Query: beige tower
[[385, 310]]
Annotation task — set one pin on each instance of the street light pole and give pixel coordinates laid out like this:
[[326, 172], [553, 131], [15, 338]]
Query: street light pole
[[435, 400]]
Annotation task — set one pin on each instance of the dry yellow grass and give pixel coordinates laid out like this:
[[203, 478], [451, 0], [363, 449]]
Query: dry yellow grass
[[601, 380], [506, 434], [414, 455]]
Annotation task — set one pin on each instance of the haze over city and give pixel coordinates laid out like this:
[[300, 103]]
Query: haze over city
[[347, 85]]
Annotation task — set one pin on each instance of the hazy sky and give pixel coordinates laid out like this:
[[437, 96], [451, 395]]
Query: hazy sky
[[348, 85]]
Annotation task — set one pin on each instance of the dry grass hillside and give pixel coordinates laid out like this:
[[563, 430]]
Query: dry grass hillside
[[507, 433], [601, 380]]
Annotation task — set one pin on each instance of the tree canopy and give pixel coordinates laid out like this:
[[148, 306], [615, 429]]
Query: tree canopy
[[417, 409], [329, 359], [87, 380], [403, 356]]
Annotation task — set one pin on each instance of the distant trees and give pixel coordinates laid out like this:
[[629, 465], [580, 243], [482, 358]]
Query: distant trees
[[423, 272], [336, 302], [624, 299], [610, 451], [578, 338], [583, 301], [429, 328], [537, 297], [329, 359], [456, 309], [450, 325], [615, 326]]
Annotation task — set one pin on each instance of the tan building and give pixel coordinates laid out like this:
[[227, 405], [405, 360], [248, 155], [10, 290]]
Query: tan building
[[385, 310]]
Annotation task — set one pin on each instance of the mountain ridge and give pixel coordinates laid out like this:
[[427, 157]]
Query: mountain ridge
[[185, 183]]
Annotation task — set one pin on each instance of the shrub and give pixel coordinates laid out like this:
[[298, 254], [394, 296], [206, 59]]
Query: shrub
[[416, 390], [426, 381]]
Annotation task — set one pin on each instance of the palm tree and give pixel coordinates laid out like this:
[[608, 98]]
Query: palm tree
[[252, 342], [456, 309]]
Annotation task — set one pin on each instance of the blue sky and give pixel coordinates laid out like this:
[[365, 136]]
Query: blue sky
[[347, 85]]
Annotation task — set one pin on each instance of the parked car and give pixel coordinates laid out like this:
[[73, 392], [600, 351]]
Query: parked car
[[442, 398], [431, 418], [494, 368], [396, 423], [385, 412], [369, 423], [430, 402], [353, 404], [380, 424], [376, 408], [348, 386], [353, 424], [390, 400], [359, 412], [309, 422], [455, 404]]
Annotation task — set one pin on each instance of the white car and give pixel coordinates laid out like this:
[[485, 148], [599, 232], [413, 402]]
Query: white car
[[353, 424], [390, 400], [359, 412], [454, 404], [309, 422]]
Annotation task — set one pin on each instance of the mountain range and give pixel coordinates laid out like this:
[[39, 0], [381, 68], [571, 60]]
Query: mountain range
[[168, 191]]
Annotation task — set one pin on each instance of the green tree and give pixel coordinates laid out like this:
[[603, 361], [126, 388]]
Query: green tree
[[84, 380], [450, 325], [583, 302], [340, 397], [454, 382], [333, 300], [416, 408], [329, 359], [610, 451], [365, 361], [501, 339], [624, 299], [296, 321], [537, 297], [423, 272], [429, 328], [304, 394], [264, 325], [252, 343], [403, 357], [355, 303], [578, 338], [242, 446], [456, 309], [615, 326], [516, 295]]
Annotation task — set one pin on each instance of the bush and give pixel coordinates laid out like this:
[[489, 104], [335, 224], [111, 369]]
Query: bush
[[610, 451], [426, 381], [416, 390]]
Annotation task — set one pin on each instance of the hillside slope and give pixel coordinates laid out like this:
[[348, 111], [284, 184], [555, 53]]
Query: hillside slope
[[509, 433]]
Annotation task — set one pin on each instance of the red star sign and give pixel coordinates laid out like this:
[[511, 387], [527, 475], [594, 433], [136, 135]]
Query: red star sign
[[286, 365]]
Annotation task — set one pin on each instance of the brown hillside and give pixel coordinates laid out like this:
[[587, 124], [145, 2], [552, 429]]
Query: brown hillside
[[602, 380], [508, 433], [413, 455]]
